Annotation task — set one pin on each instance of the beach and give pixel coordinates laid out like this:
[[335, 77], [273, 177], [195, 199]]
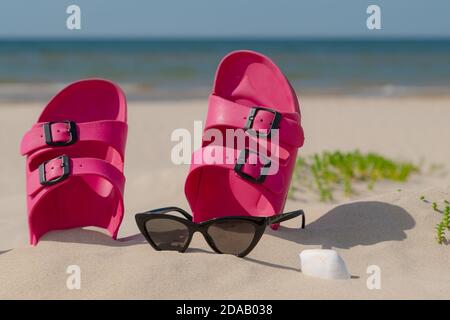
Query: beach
[[390, 226]]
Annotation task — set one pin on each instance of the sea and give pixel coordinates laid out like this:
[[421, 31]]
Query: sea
[[185, 68]]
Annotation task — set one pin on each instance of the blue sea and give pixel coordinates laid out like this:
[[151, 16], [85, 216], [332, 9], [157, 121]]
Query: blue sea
[[178, 69]]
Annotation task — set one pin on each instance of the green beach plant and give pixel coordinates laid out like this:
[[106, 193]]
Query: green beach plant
[[446, 217], [326, 171], [444, 225], [434, 206], [440, 233]]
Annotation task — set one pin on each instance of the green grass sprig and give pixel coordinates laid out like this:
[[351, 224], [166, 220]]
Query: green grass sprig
[[326, 171], [446, 217], [434, 206], [440, 233], [444, 225]]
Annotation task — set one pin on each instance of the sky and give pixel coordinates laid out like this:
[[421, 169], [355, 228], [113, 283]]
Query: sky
[[224, 18]]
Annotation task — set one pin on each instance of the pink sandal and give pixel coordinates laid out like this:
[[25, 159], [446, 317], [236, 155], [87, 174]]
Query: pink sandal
[[75, 160], [251, 93]]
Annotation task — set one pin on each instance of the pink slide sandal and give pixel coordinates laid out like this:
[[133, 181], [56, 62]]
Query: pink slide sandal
[[75, 160], [251, 93]]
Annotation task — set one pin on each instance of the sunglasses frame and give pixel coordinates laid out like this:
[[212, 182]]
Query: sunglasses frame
[[259, 223]]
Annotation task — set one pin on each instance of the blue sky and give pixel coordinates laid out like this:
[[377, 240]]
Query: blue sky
[[224, 18]]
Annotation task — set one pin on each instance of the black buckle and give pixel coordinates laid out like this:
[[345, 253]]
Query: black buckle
[[251, 119], [71, 129], [65, 165], [241, 162]]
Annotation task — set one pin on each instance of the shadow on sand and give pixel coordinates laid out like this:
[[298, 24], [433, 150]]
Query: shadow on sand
[[346, 226], [4, 251], [85, 236], [349, 225], [247, 258], [94, 237]]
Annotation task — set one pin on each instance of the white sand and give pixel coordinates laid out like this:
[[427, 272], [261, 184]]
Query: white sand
[[388, 227]]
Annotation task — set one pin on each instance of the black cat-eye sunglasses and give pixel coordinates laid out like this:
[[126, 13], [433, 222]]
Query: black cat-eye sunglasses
[[236, 235]]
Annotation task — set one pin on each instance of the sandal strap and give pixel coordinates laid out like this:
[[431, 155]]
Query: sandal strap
[[65, 133], [54, 172], [247, 165], [225, 113]]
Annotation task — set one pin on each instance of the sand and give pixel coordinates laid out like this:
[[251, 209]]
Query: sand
[[389, 227]]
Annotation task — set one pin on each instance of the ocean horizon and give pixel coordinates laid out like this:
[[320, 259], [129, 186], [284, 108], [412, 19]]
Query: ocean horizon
[[185, 68]]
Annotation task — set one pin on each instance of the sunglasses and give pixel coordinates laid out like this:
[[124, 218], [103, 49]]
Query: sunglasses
[[236, 235]]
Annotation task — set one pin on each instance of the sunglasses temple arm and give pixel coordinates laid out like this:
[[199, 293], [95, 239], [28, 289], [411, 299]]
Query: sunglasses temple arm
[[167, 209], [185, 214], [287, 216]]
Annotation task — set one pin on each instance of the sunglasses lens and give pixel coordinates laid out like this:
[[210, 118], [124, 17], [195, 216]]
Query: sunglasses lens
[[232, 236], [167, 234]]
